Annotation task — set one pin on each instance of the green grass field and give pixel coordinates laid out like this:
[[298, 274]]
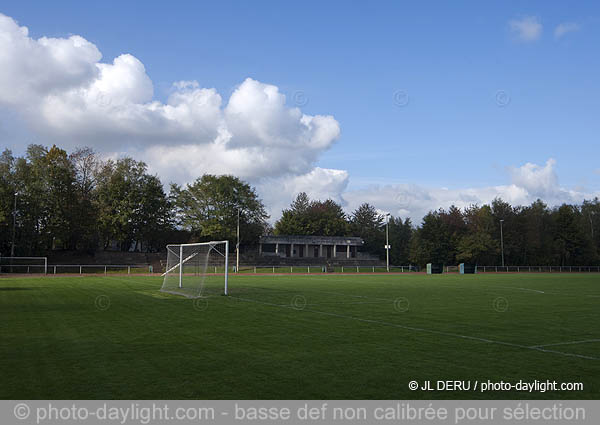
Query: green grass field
[[298, 337]]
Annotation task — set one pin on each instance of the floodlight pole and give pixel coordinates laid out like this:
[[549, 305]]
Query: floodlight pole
[[226, 266], [180, 265], [14, 230], [502, 242], [387, 242], [237, 245]]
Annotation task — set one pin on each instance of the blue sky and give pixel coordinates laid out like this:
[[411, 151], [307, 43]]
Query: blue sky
[[456, 95]]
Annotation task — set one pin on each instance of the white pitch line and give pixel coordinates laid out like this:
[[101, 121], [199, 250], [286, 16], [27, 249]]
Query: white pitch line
[[352, 303], [532, 290], [521, 289], [412, 328], [585, 341], [350, 295]]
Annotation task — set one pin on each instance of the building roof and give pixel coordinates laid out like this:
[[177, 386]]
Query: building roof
[[312, 240]]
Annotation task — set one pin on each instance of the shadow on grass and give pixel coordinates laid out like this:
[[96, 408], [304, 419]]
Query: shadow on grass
[[16, 288]]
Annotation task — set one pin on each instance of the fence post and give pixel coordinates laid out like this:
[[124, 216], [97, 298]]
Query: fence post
[[273, 269], [104, 270], [291, 268], [373, 269], [357, 269], [342, 269], [128, 269], [54, 269], [308, 269], [255, 269], [80, 269]]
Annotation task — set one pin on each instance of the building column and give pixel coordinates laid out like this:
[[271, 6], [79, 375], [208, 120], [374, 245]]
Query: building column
[[320, 250], [347, 251], [259, 249], [334, 250], [292, 250], [277, 248], [306, 254]]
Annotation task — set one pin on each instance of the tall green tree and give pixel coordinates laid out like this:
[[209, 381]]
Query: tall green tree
[[478, 245], [432, 242], [454, 223], [209, 208], [572, 243], [367, 223], [7, 193], [295, 219], [32, 192], [590, 211], [400, 234], [536, 227], [325, 218], [59, 217], [86, 165], [132, 205]]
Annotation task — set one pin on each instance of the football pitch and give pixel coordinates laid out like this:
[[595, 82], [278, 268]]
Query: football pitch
[[299, 337]]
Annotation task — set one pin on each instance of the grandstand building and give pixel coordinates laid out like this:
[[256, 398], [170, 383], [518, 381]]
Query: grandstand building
[[327, 247]]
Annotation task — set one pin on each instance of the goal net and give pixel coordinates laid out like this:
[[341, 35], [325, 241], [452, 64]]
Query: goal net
[[23, 265], [197, 270]]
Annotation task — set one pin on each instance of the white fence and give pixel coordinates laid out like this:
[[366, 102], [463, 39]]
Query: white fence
[[75, 268], [538, 269], [23, 264], [317, 269], [81, 269], [530, 269]]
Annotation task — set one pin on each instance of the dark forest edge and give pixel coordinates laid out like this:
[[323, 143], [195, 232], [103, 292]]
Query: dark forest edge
[[81, 202]]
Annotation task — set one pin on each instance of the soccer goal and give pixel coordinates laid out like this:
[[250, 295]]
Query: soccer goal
[[24, 265], [197, 270]]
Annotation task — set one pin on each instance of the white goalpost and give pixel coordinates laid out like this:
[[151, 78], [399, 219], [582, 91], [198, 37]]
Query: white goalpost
[[36, 265], [197, 269]]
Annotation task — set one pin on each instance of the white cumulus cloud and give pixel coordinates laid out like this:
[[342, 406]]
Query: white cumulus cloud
[[537, 180], [527, 28], [319, 183], [63, 91], [565, 28], [528, 183]]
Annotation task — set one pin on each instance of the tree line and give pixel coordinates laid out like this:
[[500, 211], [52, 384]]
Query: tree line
[[51, 200], [79, 201], [479, 234]]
